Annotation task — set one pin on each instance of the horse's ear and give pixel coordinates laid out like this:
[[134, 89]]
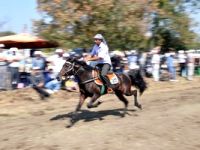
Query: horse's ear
[[70, 59]]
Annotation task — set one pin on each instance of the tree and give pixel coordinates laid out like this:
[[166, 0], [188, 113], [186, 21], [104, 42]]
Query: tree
[[170, 24], [124, 23], [5, 33]]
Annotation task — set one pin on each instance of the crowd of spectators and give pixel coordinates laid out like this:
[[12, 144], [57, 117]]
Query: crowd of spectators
[[39, 71], [161, 67]]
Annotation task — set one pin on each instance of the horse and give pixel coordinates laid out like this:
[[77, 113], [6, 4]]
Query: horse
[[88, 86]]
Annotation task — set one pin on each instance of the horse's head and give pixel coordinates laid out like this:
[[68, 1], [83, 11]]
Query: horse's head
[[70, 67], [67, 70], [73, 66]]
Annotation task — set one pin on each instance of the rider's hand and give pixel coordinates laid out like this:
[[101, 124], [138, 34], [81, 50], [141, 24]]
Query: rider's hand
[[86, 58]]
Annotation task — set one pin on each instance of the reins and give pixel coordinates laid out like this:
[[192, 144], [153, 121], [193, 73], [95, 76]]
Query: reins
[[68, 70], [76, 72], [89, 80]]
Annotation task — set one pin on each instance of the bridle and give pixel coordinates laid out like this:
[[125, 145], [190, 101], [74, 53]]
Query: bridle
[[75, 72], [71, 68]]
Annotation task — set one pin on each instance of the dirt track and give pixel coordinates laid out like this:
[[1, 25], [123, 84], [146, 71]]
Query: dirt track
[[170, 120]]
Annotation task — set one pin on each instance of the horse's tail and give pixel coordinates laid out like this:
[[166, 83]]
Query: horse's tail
[[137, 80]]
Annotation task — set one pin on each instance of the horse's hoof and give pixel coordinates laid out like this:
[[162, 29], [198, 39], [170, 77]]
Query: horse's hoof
[[89, 106], [97, 104], [71, 123], [139, 106], [69, 126]]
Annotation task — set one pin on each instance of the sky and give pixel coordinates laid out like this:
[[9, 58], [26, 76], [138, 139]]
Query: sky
[[20, 13], [17, 14]]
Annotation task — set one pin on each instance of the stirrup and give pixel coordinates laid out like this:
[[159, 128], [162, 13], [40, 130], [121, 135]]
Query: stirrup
[[109, 90]]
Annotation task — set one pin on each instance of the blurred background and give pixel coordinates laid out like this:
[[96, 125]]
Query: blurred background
[[126, 24]]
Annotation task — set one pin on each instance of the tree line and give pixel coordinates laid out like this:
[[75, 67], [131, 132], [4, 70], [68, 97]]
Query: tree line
[[126, 24]]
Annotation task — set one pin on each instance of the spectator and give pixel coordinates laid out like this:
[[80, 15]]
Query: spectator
[[132, 60], [2, 54], [182, 63], [38, 60], [190, 65], [3, 69], [51, 83], [72, 85], [171, 67], [57, 60], [142, 60], [148, 65], [37, 82], [116, 63], [14, 58], [156, 63]]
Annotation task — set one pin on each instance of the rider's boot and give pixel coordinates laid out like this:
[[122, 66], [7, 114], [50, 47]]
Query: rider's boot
[[108, 84]]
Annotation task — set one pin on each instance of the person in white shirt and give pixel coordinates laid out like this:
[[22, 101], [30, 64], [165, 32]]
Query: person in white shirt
[[132, 60], [156, 63], [14, 58], [2, 56], [100, 54], [57, 60], [182, 63], [190, 65], [3, 68]]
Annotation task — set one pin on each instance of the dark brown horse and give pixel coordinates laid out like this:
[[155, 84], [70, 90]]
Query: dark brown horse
[[88, 88]]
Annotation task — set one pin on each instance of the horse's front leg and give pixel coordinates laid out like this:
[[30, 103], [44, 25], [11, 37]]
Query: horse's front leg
[[78, 107], [82, 98], [92, 100]]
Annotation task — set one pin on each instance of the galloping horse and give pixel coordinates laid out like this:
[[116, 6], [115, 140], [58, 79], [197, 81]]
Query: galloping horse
[[88, 87]]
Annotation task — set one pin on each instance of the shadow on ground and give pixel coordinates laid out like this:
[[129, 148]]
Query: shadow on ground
[[87, 115]]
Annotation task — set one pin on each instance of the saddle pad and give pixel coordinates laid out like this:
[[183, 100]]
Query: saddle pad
[[111, 76]]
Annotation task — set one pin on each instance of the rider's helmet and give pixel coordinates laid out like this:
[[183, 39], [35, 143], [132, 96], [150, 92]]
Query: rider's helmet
[[98, 36]]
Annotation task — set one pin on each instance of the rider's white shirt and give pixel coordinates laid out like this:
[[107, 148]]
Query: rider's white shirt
[[104, 54]]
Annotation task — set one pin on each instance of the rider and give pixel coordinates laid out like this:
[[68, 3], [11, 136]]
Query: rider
[[100, 54]]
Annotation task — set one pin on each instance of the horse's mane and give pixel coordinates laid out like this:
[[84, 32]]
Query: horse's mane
[[84, 65]]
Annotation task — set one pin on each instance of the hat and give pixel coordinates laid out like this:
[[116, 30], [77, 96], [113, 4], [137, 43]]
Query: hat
[[38, 53], [181, 51], [167, 54], [66, 55], [13, 49], [35, 68], [190, 51], [98, 36], [133, 51], [2, 45], [59, 50], [156, 50], [50, 67]]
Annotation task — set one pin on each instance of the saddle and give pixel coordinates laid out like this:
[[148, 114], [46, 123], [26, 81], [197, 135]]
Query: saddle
[[111, 76]]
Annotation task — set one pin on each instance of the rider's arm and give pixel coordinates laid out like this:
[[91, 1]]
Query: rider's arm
[[93, 58]]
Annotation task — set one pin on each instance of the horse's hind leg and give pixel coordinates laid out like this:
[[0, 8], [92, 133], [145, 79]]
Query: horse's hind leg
[[134, 92], [122, 98]]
